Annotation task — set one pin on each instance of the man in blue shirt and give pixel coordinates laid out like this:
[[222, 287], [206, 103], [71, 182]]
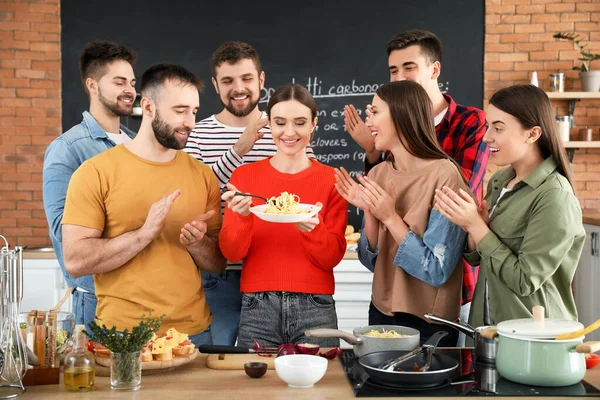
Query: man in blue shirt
[[108, 78]]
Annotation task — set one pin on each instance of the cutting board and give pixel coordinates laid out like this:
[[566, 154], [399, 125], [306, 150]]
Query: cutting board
[[148, 367], [236, 361]]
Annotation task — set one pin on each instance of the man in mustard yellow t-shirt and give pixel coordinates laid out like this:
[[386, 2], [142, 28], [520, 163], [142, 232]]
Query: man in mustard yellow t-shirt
[[143, 217]]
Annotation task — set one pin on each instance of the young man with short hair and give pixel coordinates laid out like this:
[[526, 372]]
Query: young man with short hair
[[108, 78], [145, 231]]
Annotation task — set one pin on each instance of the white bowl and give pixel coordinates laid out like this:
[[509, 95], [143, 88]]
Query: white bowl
[[301, 370]]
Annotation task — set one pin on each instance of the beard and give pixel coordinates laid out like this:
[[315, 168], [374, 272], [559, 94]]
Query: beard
[[118, 109], [166, 135], [244, 111]]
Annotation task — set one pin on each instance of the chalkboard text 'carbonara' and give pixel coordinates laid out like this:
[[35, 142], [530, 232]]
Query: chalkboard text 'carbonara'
[[286, 203]]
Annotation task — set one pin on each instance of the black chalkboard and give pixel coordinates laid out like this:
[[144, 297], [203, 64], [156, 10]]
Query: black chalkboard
[[335, 48]]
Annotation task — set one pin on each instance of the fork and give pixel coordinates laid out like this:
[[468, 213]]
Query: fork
[[247, 195]]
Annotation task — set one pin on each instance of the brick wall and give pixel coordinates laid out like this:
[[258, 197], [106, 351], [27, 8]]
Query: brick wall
[[518, 41], [30, 113]]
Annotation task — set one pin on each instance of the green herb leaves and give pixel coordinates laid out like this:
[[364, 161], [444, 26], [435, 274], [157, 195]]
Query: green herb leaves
[[125, 342]]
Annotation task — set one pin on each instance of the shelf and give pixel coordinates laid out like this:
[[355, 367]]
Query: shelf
[[573, 95], [582, 144]]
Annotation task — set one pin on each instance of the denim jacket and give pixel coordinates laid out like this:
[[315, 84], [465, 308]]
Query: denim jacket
[[432, 258], [63, 156]]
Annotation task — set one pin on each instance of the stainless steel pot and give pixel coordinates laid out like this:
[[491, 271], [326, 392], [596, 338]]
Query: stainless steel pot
[[366, 344], [485, 349]]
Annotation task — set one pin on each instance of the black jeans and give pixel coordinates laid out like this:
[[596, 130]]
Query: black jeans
[[376, 317]]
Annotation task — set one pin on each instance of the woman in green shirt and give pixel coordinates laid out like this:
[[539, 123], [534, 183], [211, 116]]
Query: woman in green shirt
[[527, 235]]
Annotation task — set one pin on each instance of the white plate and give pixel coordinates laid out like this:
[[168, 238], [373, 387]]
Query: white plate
[[285, 218]]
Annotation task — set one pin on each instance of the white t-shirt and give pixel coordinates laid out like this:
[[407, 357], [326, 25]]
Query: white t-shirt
[[438, 118], [502, 193], [119, 138]]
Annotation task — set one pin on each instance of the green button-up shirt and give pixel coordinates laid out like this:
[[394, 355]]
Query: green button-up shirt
[[530, 255]]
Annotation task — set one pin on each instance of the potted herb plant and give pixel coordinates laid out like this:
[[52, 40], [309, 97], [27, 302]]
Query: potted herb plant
[[590, 80], [125, 350]]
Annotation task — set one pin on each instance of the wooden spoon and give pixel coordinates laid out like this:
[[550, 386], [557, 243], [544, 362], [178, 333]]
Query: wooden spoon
[[62, 301], [579, 333]]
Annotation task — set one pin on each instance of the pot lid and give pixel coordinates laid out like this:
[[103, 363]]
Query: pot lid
[[545, 329]]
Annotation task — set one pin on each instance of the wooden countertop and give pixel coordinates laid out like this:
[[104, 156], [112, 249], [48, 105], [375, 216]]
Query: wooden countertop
[[591, 217], [195, 380]]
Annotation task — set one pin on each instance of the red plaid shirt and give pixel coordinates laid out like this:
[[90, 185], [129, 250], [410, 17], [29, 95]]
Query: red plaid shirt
[[460, 134]]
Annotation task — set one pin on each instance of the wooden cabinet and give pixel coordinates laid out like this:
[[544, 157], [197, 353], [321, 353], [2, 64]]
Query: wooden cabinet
[[587, 280]]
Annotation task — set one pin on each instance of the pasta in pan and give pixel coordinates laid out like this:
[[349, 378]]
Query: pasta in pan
[[385, 334], [286, 203]]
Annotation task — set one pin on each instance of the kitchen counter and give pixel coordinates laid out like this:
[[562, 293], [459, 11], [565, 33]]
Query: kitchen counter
[[591, 217], [195, 380], [48, 254]]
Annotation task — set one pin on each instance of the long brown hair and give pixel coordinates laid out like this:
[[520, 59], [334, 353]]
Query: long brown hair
[[531, 106], [412, 114]]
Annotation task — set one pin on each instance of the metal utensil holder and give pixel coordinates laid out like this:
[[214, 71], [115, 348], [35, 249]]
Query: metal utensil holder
[[13, 354]]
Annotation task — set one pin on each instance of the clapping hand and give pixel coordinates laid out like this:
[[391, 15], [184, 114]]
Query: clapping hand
[[348, 188], [460, 208], [192, 233]]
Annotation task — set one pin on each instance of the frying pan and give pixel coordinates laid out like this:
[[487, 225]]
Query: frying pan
[[441, 370]]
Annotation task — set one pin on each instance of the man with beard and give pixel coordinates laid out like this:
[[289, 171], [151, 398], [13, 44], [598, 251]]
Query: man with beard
[[144, 231], [237, 135], [108, 78]]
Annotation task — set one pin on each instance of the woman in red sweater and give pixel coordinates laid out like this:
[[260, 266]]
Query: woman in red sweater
[[287, 269]]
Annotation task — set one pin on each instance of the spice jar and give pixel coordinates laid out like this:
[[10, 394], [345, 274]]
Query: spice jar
[[563, 123], [557, 82], [586, 134]]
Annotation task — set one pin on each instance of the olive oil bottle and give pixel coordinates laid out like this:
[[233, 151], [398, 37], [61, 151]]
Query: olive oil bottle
[[79, 369]]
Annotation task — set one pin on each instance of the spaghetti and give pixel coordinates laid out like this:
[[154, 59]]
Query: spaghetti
[[286, 203], [385, 334]]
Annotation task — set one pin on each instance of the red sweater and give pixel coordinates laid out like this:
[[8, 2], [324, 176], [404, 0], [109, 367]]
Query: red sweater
[[278, 257]]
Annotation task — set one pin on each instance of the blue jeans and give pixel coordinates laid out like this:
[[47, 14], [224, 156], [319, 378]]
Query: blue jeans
[[202, 337], [224, 299], [274, 318], [84, 307]]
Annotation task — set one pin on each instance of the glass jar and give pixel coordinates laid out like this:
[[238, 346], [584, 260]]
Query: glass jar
[[563, 123], [79, 371], [557, 82], [126, 370]]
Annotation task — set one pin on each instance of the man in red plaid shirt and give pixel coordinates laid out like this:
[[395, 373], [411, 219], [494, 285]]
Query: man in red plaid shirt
[[416, 55]]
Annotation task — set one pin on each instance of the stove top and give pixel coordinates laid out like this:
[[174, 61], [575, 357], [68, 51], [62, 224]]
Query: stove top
[[471, 379]]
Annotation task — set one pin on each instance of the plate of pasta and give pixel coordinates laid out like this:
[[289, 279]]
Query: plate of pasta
[[285, 208]]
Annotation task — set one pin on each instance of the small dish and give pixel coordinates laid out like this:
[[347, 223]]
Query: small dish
[[259, 211], [255, 369]]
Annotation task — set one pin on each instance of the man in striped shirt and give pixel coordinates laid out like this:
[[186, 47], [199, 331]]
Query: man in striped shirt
[[237, 135]]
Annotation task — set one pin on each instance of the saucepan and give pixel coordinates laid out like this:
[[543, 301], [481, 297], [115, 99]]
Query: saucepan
[[370, 344], [485, 349], [529, 353]]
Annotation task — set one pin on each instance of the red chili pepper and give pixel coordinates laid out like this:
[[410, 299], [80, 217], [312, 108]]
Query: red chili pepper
[[90, 345]]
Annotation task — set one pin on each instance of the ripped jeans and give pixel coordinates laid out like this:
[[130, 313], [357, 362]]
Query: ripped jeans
[[274, 318]]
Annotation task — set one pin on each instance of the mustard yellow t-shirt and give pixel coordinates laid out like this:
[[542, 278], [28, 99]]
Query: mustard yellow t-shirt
[[113, 192]]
